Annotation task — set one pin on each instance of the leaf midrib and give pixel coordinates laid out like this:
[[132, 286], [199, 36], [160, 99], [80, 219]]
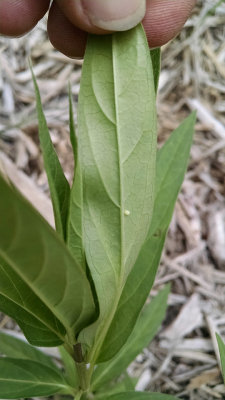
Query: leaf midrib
[[121, 274], [108, 321], [39, 383]]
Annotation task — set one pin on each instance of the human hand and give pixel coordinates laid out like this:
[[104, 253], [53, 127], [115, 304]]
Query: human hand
[[70, 20]]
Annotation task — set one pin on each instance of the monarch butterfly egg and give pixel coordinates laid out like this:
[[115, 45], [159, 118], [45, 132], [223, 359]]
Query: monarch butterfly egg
[[127, 213]]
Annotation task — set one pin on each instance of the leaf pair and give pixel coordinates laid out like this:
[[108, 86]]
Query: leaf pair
[[172, 160], [117, 134]]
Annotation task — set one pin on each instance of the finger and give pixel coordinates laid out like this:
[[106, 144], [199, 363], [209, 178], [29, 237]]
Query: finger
[[20, 16], [164, 19], [100, 16], [63, 35]]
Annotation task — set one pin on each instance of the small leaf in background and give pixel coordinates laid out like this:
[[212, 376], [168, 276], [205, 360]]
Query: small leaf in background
[[117, 139], [25, 378], [70, 368], [156, 64], [43, 263], [144, 331], [12, 347], [221, 346], [75, 212], [73, 138], [172, 160], [58, 185], [141, 396], [126, 383]]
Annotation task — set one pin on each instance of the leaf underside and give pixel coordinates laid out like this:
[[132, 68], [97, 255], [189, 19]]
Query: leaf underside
[[172, 160], [117, 139]]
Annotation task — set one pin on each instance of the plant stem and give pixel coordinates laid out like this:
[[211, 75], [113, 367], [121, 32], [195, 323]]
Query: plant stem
[[81, 368], [82, 373], [78, 395], [106, 324]]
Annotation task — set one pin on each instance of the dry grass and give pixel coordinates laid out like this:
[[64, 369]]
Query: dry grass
[[183, 359]]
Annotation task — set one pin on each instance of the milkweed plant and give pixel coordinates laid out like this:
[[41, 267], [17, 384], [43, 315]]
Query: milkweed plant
[[83, 287]]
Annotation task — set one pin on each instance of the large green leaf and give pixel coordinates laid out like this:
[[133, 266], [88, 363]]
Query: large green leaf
[[117, 138], [145, 329], [58, 185], [39, 324], [75, 214], [10, 346], [172, 162], [25, 378], [140, 396], [222, 354], [34, 252]]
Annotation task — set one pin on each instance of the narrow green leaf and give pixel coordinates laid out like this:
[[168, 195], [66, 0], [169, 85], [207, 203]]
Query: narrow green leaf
[[25, 378], [221, 345], [75, 226], [117, 138], [172, 163], [156, 64], [141, 396], [73, 137], [70, 368], [145, 329], [10, 346], [58, 185], [34, 252]]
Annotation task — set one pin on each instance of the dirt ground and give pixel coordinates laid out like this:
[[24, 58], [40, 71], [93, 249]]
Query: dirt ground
[[183, 359]]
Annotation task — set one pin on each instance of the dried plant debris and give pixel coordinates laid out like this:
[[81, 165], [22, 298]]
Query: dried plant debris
[[183, 358]]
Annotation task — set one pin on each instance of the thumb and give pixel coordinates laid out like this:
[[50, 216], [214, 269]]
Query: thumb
[[104, 15], [115, 15]]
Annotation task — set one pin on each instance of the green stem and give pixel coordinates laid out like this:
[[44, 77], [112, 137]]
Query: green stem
[[106, 324], [78, 395], [83, 378], [68, 348], [82, 369]]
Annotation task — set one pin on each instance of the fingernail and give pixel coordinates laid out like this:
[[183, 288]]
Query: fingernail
[[115, 15]]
